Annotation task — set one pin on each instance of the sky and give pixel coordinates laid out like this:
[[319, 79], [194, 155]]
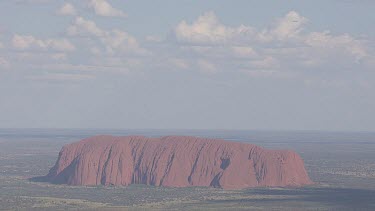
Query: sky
[[236, 65]]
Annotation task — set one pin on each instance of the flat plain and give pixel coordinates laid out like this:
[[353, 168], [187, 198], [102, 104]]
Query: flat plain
[[341, 164]]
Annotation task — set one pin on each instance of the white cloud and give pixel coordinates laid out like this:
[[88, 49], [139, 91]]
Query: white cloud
[[34, 57], [288, 27], [83, 27], [205, 29], [265, 63], [120, 40], [111, 51], [286, 45], [60, 44], [95, 51], [208, 30], [4, 63], [67, 9], [103, 8], [260, 73], [178, 63], [207, 67], [153, 38], [91, 68], [24, 42], [285, 48], [33, 1], [59, 56], [114, 41], [325, 40], [244, 52], [63, 77]]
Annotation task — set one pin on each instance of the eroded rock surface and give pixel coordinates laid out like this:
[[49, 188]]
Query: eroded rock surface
[[176, 161]]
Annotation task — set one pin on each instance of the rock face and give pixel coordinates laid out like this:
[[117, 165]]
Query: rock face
[[175, 161]]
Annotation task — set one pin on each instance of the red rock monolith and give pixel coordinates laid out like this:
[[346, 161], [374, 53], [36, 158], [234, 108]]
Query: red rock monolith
[[176, 161]]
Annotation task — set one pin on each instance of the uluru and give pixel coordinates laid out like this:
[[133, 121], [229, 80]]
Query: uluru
[[176, 161]]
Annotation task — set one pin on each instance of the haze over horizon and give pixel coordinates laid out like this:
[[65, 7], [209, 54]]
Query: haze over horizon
[[187, 64]]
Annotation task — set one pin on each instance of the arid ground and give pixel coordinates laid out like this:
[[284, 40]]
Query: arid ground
[[341, 164]]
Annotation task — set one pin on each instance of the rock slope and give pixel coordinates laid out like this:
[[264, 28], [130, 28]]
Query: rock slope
[[176, 161]]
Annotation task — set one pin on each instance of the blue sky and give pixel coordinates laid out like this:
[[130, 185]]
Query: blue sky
[[288, 65]]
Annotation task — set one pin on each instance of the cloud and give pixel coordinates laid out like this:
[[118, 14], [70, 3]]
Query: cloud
[[32, 1], [37, 57], [110, 51], [326, 41], [90, 69], [24, 42], [255, 73], [207, 67], [63, 77], [244, 52], [178, 63], [67, 9], [58, 56], [265, 63], [114, 41], [288, 27], [4, 63], [103, 8], [285, 48], [205, 29], [208, 30], [83, 27], [285, 45], [153, 38]]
